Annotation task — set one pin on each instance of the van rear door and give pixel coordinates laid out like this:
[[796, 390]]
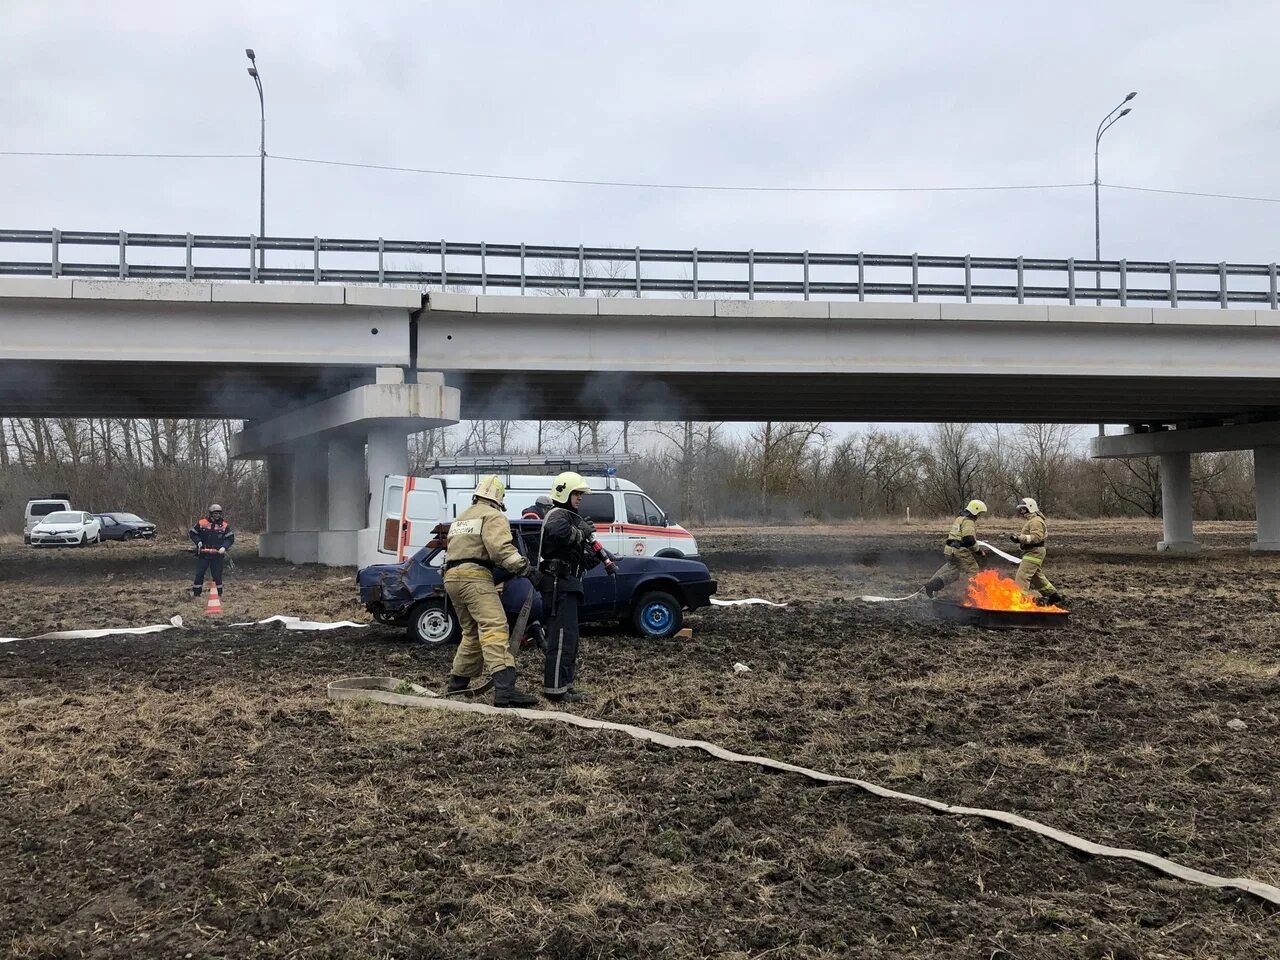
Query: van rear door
[[411, 509]]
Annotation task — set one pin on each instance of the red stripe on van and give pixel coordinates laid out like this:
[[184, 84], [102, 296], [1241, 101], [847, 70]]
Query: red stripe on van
[[651, 531]]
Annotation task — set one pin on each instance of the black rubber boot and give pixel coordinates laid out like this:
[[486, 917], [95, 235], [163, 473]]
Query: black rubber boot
[[457, 684], [1055, 599], [539, 636], [933, 586], [505, 693], [569, 696]]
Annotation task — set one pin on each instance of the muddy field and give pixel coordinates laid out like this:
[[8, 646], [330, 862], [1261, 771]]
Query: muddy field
[[193, 793]]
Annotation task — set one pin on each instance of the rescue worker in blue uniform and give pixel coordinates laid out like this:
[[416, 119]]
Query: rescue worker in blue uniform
[[213, 537], [567, 549]]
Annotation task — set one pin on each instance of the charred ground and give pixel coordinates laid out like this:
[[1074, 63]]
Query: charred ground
[[193, 791]]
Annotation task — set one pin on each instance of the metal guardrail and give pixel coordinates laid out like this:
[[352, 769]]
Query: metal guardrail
[[543, 268]]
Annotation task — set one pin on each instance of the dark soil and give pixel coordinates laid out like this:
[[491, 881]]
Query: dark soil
[[194, 793]]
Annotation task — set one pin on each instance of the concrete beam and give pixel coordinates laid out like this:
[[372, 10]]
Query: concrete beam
[[37, 288], [404, 407], [1242, 436], [123, 330], [797, 338]]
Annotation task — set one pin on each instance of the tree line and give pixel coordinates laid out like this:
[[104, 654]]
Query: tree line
[[169, 470]]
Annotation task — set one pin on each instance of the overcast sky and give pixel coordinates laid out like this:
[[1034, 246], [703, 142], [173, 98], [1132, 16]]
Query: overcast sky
[[797, 93], [902, 94]]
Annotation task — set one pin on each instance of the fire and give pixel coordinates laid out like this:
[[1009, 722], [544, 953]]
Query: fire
[[990, 591]]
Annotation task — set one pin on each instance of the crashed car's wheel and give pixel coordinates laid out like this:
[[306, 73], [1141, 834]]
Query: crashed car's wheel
[[433, 621], [657, 614]]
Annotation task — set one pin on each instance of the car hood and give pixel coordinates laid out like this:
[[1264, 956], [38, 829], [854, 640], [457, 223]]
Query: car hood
[[692, 568], [58, 527]]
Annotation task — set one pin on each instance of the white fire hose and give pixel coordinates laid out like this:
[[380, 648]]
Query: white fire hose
[[911, 596], [404, 694]]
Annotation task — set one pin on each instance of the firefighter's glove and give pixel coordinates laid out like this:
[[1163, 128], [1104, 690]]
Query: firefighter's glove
[[588, 527], [536, 577], [611, 568], [1014, 538]]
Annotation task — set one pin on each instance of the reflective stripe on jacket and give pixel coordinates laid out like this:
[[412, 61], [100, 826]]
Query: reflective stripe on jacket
[[207, 535]]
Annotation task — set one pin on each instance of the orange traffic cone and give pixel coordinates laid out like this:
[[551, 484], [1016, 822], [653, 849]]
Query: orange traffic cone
[[214, 607]]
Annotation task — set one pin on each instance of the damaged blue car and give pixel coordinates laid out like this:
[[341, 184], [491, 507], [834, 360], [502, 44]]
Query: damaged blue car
[[648, 594]]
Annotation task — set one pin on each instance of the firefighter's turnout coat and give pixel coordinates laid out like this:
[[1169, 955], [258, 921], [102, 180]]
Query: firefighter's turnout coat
[[1033, 540], [480, 547], [961, 550]]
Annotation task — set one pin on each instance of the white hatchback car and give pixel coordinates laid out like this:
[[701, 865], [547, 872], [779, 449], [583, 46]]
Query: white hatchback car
[[66, 528]]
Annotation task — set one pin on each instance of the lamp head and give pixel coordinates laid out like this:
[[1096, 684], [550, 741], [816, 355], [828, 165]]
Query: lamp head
[[1123, 112], [253, 72], [248, 52], [1131, 96]]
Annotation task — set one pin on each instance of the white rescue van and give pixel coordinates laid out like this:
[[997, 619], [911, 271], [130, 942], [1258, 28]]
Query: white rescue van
[[40, 507], [628, 522]]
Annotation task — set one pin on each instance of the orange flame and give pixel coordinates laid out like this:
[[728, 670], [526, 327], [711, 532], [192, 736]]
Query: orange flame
[[990, 591]]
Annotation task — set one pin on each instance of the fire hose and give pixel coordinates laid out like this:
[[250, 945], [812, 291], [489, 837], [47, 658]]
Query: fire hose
[[911, 596], [401, 693]]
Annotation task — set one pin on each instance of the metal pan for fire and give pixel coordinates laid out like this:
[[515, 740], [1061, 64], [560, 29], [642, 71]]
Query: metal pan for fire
[[954, 612]]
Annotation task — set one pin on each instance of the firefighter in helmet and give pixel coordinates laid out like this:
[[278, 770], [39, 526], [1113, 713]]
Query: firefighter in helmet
[[961, 549], [213, 537], [480, 550], [566, 550], [1031, 541]]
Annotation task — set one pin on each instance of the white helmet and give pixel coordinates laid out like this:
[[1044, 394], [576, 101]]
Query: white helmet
[[215, 508], [566, 485], [492, 489], [1029, 505]]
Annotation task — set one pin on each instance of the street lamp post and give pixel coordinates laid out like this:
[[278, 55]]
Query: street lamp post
[[1103, 127], [262, 160]]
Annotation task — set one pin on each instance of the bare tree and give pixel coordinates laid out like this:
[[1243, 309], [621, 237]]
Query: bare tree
[[952, 465]]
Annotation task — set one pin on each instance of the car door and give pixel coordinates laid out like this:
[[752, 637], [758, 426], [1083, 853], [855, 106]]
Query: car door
[[108, 528]]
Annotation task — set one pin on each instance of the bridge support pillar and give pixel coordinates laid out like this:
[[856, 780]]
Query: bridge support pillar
[[324, 493], [1266, 495], [273, 542], [310, 503], [348, 493], [1175, 491]]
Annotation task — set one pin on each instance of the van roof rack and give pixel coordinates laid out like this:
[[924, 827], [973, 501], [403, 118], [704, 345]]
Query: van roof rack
[[504, 463]]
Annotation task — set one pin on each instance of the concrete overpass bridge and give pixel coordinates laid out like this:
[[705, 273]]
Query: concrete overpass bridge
[[334, 373]]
